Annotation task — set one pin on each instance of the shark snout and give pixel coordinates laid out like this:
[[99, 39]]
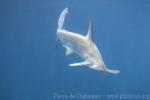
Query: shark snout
[[106, 69], [112, 71]]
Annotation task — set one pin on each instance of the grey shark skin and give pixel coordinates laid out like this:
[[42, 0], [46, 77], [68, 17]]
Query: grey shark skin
[[82, 46]]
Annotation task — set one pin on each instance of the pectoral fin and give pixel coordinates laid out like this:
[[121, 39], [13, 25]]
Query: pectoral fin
[[84, 63], [68, 50]]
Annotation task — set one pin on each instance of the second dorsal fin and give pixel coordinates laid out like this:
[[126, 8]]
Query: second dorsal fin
[[68, 50]]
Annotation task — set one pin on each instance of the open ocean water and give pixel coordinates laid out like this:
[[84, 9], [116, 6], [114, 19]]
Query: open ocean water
[[33, 65]]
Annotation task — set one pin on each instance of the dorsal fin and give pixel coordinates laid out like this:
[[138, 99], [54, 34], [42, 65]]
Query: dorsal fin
[[90, 33]]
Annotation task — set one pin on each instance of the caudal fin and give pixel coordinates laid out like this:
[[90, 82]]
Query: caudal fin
[[62, 18]]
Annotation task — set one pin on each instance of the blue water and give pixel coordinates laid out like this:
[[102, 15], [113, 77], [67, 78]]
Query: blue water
[[33, 66]]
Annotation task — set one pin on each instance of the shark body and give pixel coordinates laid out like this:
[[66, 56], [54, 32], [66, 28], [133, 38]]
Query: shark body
[[82, 46]]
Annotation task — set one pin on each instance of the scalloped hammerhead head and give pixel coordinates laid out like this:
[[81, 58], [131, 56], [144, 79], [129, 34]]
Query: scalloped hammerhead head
[[82, 46]]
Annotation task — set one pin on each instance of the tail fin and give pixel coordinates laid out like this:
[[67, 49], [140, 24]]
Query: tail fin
[[62, 18]]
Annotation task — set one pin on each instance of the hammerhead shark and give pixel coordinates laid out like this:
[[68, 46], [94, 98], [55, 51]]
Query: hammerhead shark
[[82, 46]]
